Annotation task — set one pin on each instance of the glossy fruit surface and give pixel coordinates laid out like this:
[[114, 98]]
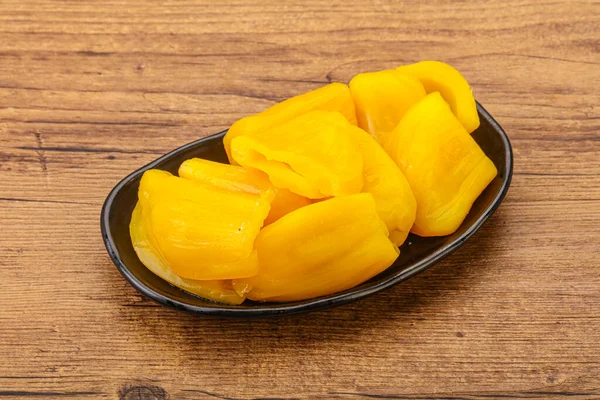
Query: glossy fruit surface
[[203, 232], [394, 199], [445, 167], [311, 155], [320, 249], [333, 97], [381, 99], [440, 77], [218, 290]]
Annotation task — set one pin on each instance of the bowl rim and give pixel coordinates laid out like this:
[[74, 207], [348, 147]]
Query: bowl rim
[[269, 309]]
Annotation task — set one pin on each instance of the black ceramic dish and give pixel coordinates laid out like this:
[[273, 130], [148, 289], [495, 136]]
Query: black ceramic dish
[[417, 254]]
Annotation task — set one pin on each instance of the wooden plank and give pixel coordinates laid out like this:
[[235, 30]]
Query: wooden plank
[[92, 90]]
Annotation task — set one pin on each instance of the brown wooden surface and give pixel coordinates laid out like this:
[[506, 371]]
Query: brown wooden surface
[[90, 91]]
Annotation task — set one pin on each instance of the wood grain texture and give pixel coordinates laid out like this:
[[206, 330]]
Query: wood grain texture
[[91, 90]]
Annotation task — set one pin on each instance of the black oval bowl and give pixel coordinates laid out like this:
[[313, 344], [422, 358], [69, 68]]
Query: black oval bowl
[[416, 255]]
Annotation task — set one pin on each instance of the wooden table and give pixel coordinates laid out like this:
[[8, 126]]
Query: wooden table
[[90, 91]]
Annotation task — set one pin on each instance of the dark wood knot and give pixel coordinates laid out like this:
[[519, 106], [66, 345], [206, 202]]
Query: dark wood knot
[[143, 392]]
